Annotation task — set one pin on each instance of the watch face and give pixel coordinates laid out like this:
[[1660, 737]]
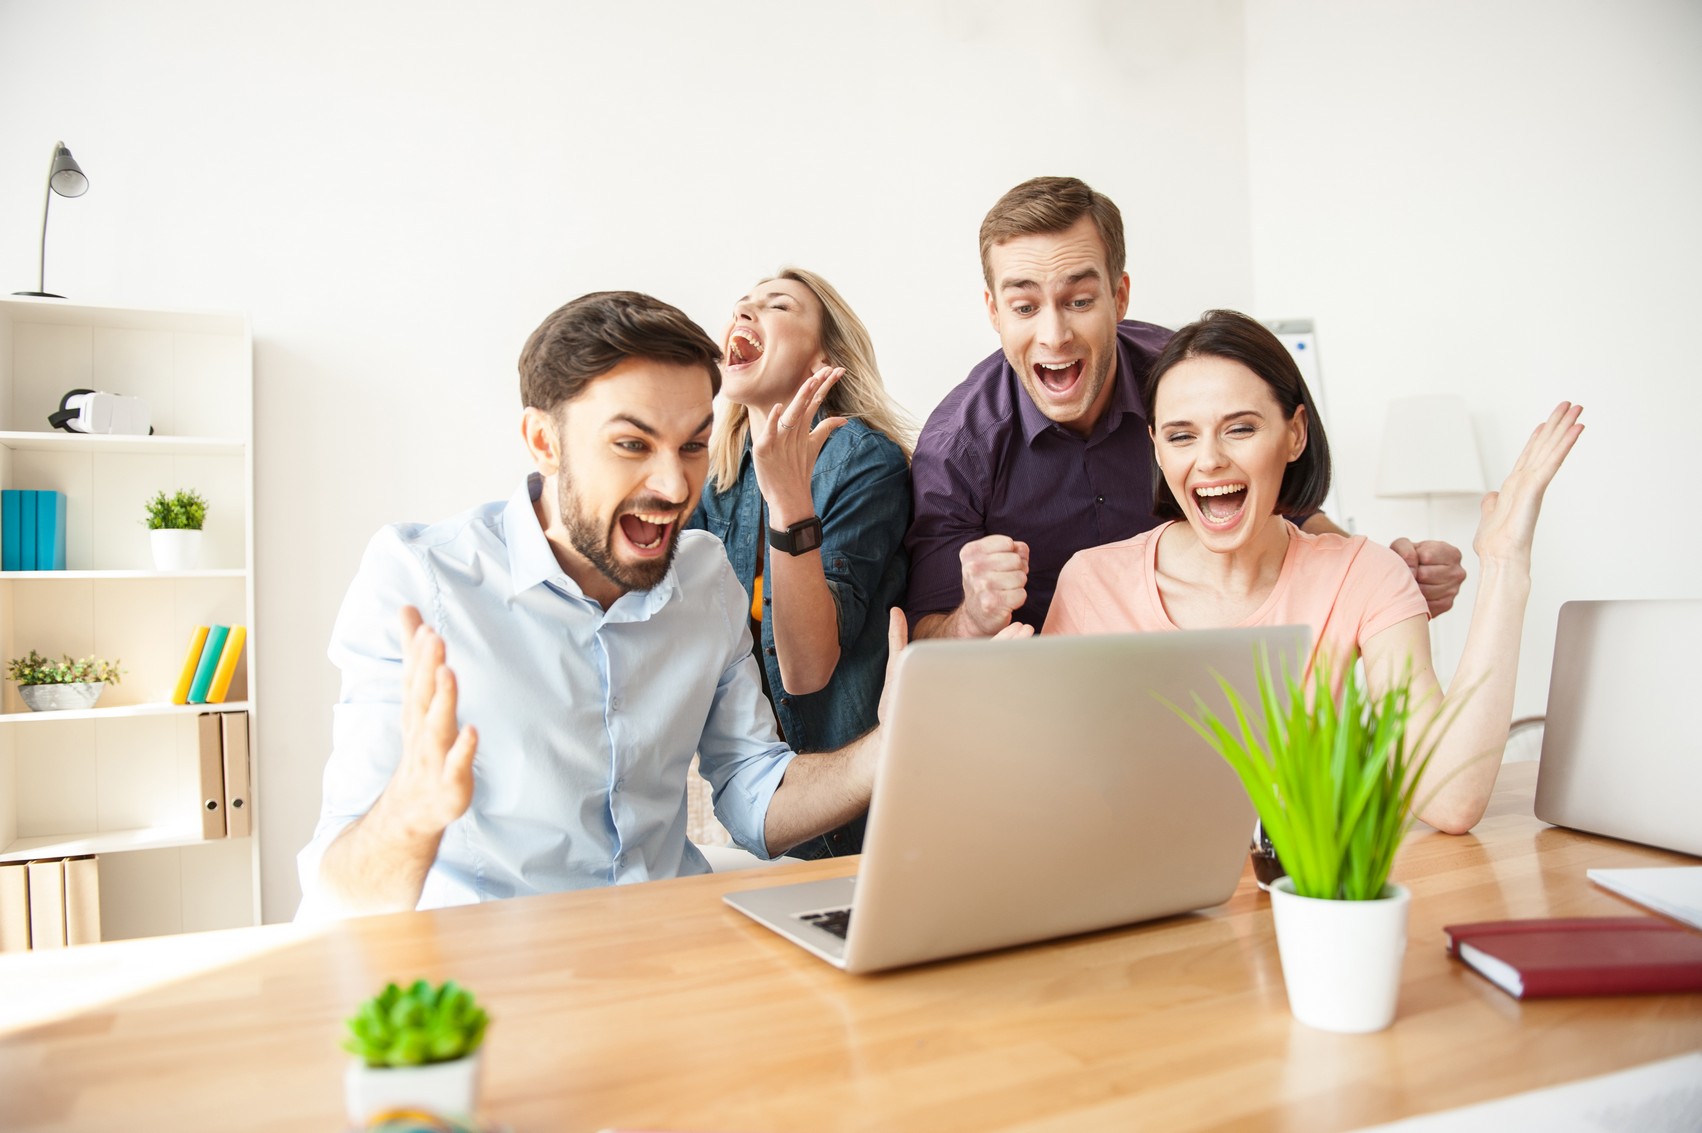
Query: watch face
[[798, 538]]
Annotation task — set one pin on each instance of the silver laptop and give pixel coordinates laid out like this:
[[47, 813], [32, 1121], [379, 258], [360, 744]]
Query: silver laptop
[[1034, 789], [1621, 746]]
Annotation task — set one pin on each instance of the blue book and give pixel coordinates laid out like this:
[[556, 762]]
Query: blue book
[[27, 534], [50, 530], [11, 529], [209, 664]]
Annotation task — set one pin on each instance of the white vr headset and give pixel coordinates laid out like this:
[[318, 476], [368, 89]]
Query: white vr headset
[[85, 411]]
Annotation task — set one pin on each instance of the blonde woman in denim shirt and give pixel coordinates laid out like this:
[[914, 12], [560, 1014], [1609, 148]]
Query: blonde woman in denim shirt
[[809, 434]]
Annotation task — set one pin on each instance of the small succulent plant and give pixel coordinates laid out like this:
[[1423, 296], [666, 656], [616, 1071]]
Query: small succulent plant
[[417, 1025]]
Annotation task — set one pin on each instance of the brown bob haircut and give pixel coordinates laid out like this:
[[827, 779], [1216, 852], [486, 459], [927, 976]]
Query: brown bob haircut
[[586, 338], [1232, 335], [1044, 205]]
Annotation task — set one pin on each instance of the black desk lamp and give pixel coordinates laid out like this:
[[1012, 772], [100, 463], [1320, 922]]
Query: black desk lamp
[[66, 178]]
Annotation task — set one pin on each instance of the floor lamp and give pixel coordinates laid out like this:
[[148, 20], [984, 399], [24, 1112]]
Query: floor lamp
[[64, 177], [1429, 450]]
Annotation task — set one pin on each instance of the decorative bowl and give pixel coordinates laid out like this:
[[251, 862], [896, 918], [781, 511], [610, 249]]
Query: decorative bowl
[[54, 698]]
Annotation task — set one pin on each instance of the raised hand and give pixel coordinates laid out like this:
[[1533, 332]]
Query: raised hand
[[1509, 519], [1436, 567], [995, 581], [432, 785], [784, 450]]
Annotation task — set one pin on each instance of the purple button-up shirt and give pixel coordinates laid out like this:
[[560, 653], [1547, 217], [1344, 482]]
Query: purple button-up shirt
[[989, 462]]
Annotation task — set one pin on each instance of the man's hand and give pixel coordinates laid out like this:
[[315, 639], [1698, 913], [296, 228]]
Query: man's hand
[[1436, 566], [433, 783], [995, 580]]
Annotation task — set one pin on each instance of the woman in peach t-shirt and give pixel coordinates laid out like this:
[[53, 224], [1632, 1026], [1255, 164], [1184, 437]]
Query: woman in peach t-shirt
[[1239, 443]]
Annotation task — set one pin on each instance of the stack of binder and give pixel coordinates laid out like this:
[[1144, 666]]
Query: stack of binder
[[49, 904], [210, 664], [32, 530], [227, 809]]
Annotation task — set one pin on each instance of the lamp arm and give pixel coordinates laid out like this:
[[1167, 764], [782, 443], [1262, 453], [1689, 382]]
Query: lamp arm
[[41, 257]]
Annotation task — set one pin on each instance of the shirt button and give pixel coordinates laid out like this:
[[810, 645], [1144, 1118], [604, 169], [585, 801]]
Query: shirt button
[[786, 700], [615, 702], [1099, 499], [768, 649]]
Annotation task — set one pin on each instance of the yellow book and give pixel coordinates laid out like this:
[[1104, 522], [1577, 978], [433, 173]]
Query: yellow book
[[227, 665], [198, 638]]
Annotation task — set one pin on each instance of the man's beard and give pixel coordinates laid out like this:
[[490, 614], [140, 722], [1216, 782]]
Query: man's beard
[[598, 547]]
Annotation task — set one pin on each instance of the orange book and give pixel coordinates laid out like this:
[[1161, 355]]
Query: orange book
[[227, 665], [197, 638]]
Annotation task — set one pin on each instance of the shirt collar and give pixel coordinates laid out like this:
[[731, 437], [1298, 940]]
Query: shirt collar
[[531, 561], [1124, 401]]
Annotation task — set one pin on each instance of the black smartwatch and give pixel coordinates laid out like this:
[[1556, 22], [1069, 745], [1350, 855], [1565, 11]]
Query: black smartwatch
[[805, 535]]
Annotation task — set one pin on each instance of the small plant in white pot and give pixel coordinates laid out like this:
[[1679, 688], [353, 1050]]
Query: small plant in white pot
[[1334, 780], [47, 685], [174, 528], [415, 1049]]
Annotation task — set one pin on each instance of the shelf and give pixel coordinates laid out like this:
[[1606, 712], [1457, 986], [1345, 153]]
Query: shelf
[[128, 710], [125, 575], [30, 441], [101, 842]]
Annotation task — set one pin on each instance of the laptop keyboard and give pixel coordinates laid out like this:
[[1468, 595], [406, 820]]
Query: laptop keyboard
[[836, 921]]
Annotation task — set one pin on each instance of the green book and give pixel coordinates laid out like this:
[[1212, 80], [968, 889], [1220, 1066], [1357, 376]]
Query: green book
[[209, 664]]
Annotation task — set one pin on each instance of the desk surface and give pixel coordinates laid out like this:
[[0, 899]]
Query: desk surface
[[656, 1006]]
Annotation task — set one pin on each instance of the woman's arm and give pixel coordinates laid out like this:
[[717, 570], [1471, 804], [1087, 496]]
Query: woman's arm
[[1480, 697], [806, 620]]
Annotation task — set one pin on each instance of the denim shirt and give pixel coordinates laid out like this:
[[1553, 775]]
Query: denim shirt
[[861, 490]]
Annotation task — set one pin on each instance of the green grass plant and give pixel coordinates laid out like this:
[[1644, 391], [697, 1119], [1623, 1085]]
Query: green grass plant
[[417, 1025], [38, 670], [1333, 779], [182, 510]]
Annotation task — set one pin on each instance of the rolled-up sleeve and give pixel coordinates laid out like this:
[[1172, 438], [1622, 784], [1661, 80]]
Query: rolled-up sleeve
[[366, 740], [740, 752], [865, 510]]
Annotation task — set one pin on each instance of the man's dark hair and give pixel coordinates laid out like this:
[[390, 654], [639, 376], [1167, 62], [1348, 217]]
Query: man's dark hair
[[1232, 335], [1044, 205], [586, 338]]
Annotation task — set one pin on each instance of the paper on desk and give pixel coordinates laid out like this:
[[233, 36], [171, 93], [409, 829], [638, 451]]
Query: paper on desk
[[1675, 891], [1657, 1097]]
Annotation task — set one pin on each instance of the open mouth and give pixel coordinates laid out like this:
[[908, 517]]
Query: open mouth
[[1059, 378], [1220, 505], [647, 532], [743, 347]]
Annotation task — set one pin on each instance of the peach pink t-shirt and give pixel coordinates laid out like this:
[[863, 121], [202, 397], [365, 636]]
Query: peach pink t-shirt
[[1345, 588]]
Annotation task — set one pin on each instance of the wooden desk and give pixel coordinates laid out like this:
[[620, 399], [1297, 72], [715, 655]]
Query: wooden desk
[[658, 1007]]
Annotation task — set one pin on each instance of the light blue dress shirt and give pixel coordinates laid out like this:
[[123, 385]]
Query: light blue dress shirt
[[587, 718]]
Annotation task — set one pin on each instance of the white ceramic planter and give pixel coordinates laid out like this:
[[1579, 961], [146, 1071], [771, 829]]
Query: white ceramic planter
[[448, 1089], [55, 698], [175, 548], [1341, 960]]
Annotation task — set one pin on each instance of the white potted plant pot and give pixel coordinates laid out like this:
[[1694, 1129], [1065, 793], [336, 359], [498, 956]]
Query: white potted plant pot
[[448, 1089], [1341, 960], [175, 548], [54, 698]]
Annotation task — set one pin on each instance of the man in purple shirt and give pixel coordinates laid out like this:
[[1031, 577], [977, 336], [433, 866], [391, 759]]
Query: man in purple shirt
[[1042, 451]]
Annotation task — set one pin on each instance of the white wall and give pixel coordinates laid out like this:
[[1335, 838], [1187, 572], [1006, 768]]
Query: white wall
[[397, 193], [1501, 200], [1497, 198]]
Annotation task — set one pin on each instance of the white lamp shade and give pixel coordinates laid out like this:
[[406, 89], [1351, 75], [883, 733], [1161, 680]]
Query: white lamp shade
[[1429, 449]]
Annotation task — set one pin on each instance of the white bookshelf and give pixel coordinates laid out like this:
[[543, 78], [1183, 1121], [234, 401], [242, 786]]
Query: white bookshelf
[[122, 779]]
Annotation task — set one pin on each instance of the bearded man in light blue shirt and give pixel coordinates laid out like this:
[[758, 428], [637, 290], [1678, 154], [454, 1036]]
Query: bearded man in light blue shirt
[[596, 647]]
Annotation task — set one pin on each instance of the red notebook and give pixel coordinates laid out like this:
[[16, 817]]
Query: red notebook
[[1530, 959]]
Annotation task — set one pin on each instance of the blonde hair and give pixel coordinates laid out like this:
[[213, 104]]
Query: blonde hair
[[859, 393]]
